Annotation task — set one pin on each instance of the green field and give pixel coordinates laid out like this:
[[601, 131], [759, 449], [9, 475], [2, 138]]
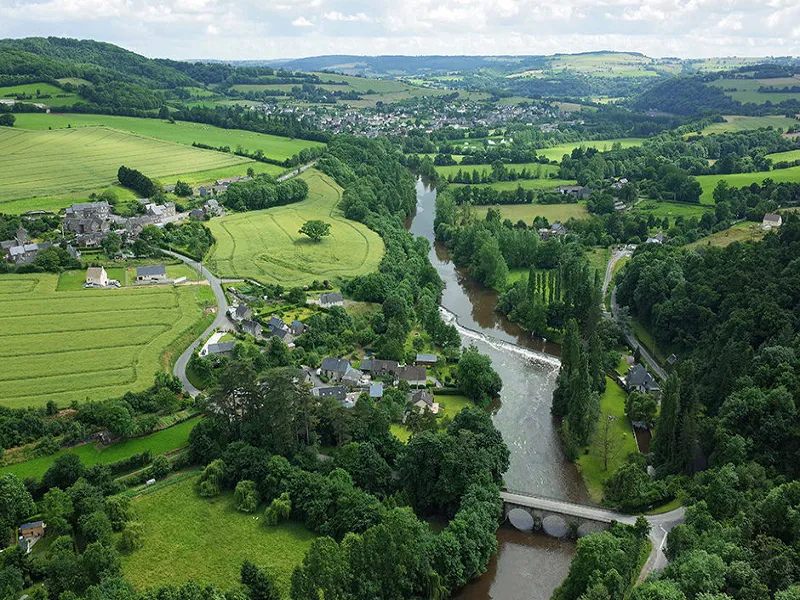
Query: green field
[[747, 231], [265, 245], [31, 89], [364, 84], [528, 212], [527, 184], [740, 123], [49, 163], [612, 403], [746, 90], [87, 344], [160, 442], [737, 180], [661, 209], [543, 171], [788, 156], [181, 132], [557, 152], [188, 538]]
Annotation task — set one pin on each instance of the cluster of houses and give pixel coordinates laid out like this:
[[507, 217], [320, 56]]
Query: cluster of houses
[[20, 250], [91, 222], [220, 186]]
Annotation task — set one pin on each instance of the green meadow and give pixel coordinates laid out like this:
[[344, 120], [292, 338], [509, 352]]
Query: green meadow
[[60, 162], [207, 539], [58, 97], [528, 212], [709, 182], [180, 132], [543, 171], [746, 90], [661, 209], [265, 245], [557, 152], [88, 344], [741, 123], [527, 184], [789, 156], [746, 231]]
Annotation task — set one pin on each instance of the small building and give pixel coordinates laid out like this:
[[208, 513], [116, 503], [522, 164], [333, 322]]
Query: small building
[[423, 400], [242, 313], [656, 239], [771, 220], [415, 376], [279, 332], [579, 191], [337, 392], [331, 299], [30, 533], [426, 360], [556, 230], [151, 274], [297, 328], [219, 348], [96, 277], [351, 377], [251, 327], [639, 379], [376, 390], [334, 368], [378, 367], [275, 322]]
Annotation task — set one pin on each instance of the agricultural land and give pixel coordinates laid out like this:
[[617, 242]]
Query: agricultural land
[[265, 245], [88, 344], [528, 212], [206, 540], [709, 182], [742, 123]]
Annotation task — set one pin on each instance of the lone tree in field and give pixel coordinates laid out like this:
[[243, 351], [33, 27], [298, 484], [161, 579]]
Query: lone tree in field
[[316, 229]]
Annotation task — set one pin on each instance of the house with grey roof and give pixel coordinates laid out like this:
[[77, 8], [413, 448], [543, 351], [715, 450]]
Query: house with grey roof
[[220, 348], [334, 368], [376, 390], [242, 313], [330, 299], [378, 367], [337, 392], [251, 327], [297, 328], [639, 379], [351, 377], [426, 360], [151, 274], [423, 400], [415, 376]]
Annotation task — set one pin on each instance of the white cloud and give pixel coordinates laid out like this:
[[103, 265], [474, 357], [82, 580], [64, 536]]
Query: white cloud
[[301, 21], [335, 15]]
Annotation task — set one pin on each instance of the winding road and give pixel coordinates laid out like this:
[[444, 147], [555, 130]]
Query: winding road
[[221, 320]]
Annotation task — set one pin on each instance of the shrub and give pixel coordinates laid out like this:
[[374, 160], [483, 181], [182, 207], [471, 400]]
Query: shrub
[[131, 538], [210, 482], [246, 496], [278, 510], [160, 467]]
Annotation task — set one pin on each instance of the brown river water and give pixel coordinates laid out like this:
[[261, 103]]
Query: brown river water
[[528, 566]]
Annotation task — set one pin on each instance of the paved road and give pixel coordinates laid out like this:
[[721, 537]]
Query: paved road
[[221, 320], [660, 525], [635, 343], [297, 171], [616, 255]]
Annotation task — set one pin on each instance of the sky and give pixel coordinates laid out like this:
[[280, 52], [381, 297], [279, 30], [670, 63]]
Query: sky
[[267, 29]]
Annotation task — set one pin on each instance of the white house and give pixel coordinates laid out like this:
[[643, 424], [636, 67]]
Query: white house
[[152, 274], [96, 277], [771, 220]]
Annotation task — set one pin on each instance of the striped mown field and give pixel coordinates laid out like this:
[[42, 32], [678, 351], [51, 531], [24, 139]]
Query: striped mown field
[[48, 163], [86, 344], [265, 245]]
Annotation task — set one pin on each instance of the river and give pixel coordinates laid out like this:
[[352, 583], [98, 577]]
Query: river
[[527, 566]]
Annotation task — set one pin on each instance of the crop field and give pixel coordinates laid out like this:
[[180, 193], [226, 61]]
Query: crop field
[[556, 152], [542, 170], [190, 547], [746, 231], [48, 163], [789, 156], [527, 184], [181, 132], [740, 123], [58, 97], [528, 212], [87, 344], [265, 245], [709, 182], [159, 442], [746, 90]]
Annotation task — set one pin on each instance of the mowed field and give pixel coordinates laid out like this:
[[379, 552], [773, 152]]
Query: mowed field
[[789, 156], [526, 184], [180, 132], [48, 163], [741, 123], [536, 168], [58, 97], [87, 344], [207, 539], [557, 152], [528, 212], [265, 245], [709, 182], [746, 90]]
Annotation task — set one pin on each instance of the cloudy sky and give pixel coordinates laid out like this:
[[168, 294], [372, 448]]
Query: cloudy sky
[[250, 29]]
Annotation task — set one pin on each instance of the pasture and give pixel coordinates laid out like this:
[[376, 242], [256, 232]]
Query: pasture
[[741, 123], [87, 344], [788, 156], [747, 90], [661, 209], [557, 152], [539, 169], [746, 231], [265, 245], [528, 212], [57, 96], [49, 163], [190, 547], [180, 132], [527, 184], [709, 182], [159, 442]]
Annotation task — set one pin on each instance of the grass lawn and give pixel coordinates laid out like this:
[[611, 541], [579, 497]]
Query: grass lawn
[[741, 123], [48, 163], [181, 132], [598, 259], [623, 367], [528, 212], [612, 403], [87, 344], [265, 245], [741, 232], [746, 90], [56, 203], [401, 432], [737, 180], [665, 508], [187, 537], [211, 175], [159, 442], [788, 156], [450, 406], [556, 152]]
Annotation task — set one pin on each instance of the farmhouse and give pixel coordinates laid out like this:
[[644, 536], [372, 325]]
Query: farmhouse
[[351, 377], [26, 253], [555, 230], [639, 379], [254, 328], [578, 191], [219, 348], [415, 376], [242, 313], [331, 299], [160, 212], [151, 274], [378, 367], [96, 277], [334, 368], [426, 360], [771, 220], [656, 239], [423, 400], [336, 392], [29, 534]]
